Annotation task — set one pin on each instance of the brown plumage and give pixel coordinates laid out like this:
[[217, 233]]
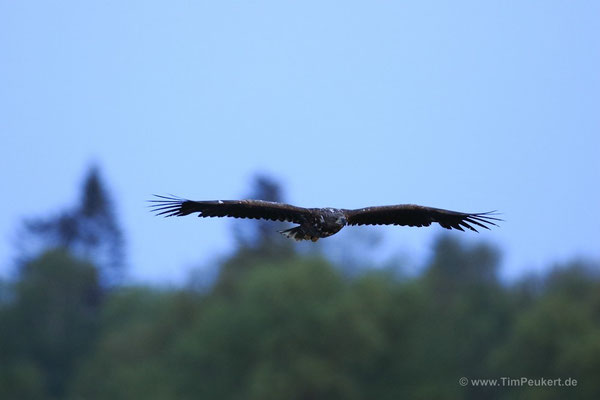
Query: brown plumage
[[315, 223]]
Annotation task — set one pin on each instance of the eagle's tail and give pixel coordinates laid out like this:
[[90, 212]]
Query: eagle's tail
[[298, 234]]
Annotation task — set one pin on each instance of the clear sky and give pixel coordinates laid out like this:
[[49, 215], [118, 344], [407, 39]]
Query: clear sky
[[470, 106]]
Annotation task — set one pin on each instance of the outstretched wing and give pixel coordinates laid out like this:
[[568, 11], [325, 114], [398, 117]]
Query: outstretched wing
[[413, 215], [255, 209]]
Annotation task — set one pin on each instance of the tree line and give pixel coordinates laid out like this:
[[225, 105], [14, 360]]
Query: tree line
[[283, 324]]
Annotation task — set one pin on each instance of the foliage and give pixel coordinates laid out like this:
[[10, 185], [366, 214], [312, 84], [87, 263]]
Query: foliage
[[49, 325], [300, 328], [281, 324]]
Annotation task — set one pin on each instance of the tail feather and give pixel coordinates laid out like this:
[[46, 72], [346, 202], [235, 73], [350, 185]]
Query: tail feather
[[297, 233]]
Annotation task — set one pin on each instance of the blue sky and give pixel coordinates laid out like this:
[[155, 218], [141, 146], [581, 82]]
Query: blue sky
[[470, 106]]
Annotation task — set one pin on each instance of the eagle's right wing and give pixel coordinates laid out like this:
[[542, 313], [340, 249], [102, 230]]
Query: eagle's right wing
[[255, 209]]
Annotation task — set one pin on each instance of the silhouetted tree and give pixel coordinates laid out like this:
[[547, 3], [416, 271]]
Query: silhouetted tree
[[89, 230], [100, 234], [257, 239], [261, 235]]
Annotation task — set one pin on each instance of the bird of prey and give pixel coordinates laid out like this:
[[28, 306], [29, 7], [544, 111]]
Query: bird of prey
[[316, 223]]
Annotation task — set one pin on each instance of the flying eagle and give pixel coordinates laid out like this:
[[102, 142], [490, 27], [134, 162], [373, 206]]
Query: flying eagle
[[316, 223]]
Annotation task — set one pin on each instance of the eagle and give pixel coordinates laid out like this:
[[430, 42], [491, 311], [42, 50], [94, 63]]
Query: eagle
[[316, 223]]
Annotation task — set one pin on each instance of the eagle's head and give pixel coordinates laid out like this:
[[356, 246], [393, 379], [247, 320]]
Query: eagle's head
[[335, 217], [341, 220]]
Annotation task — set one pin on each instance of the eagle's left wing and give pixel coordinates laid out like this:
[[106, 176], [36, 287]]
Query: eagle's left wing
[[414, 215]]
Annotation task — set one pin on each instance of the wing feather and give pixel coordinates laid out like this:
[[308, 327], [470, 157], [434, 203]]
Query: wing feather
[[255, 209], [414, 215]]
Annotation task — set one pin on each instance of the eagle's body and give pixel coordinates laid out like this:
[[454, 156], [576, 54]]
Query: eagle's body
[[321, 223], [316, 223]]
